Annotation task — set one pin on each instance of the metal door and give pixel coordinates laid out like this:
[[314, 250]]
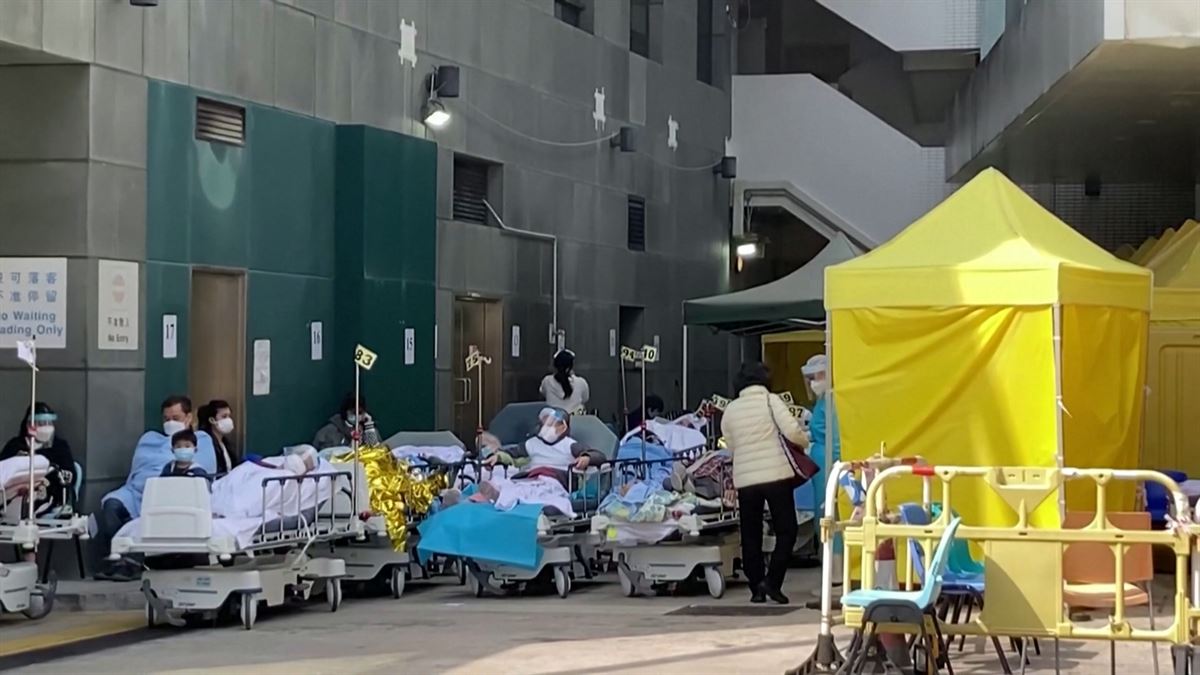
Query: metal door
[[478, 325]]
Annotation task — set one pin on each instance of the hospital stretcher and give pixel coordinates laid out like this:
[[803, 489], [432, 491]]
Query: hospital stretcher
[[565, 543], [20, 588], [199, 565], [705, 542]]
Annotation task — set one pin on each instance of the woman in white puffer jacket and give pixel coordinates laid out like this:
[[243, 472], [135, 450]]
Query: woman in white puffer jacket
[[762, 474]]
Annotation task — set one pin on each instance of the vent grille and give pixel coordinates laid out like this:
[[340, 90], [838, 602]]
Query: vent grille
[[219, 122], [637, 224], [470, 189]]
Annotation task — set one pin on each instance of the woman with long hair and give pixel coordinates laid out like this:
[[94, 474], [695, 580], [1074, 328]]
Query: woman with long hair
[[563, 389]]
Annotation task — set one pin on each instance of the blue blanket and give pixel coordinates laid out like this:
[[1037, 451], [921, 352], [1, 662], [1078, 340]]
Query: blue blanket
[[481, 532], [152, 453], [660, 455]]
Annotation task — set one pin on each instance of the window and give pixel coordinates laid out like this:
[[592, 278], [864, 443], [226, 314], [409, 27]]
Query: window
[[704, 41], [639, 27], [219, 122], [577, 13], [637, 224], [474, 181]]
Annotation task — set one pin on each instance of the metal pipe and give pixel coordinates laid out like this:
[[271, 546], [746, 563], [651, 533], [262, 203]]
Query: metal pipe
[[1058, 407], [540, 236], [685, 368]]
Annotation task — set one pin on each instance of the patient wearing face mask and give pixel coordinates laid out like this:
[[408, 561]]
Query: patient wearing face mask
[[38, 432], [552, 452], [183, 449]]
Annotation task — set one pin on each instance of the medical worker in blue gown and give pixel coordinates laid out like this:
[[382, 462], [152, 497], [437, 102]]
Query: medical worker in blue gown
[[811, 495]]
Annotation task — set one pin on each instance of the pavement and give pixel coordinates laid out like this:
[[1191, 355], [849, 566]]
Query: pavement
[[439, 627]]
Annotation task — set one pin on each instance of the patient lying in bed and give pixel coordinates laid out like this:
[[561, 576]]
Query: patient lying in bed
[[242, 501]]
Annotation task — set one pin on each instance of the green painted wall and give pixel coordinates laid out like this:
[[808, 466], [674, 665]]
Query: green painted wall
[[386, 256], [331, 224]]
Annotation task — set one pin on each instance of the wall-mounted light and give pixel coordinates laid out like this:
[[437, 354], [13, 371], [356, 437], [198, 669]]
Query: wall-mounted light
[[625, 139], [746, 247], [749, 249], [434, 114], [441, 83]]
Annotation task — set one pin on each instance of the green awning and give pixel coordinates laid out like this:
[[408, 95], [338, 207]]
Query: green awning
[[791, 303]]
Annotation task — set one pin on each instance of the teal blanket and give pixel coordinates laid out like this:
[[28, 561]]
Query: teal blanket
[[481, 532]]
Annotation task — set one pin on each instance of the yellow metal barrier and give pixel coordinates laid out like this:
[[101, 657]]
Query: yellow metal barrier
[[1023, 573]]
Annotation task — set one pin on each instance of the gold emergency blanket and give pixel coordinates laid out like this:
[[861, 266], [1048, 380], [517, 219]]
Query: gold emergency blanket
[[395, 491]]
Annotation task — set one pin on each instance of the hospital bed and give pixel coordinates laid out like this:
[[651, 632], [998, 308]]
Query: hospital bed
[[565, 542], [20, 587], [370, 556], [705, 542], [199, 565]]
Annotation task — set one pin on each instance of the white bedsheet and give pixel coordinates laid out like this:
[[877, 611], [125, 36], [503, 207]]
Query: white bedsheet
[[674, 437], [448, 454], [13, 468], [541, 490], [632, 534]]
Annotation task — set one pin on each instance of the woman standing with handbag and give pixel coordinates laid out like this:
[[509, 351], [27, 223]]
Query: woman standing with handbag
[[755, 425]]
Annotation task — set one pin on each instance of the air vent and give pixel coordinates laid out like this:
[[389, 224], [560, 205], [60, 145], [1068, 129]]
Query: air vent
[[637, 224], [219, 122], [470, 189]]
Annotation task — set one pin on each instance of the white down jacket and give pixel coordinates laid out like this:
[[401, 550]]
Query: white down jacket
[[753, 437]]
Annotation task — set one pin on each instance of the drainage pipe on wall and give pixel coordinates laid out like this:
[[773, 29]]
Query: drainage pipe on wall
[[540, 236]]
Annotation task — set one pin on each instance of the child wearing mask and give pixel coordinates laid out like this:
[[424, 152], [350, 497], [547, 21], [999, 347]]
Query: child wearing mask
[[183, 447]]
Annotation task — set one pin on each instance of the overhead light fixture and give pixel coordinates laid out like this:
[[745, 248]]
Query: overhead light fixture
[[434, 114], [747, 246]]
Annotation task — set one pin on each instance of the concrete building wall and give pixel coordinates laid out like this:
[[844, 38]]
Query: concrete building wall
[[73, 83]]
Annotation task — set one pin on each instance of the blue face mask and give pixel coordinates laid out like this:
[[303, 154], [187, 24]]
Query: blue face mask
[[351, 419], [183, 454]]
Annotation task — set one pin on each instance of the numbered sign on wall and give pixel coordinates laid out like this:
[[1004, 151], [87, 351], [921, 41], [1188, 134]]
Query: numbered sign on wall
[[170, 336], [316, 341], [410, 346]]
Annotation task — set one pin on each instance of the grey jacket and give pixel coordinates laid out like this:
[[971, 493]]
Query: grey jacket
[[336, 434]]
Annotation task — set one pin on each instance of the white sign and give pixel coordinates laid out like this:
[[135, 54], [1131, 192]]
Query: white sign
[[170, 347], [562, 340], [316, 341], [408, 42], [612, 342], [117, 306], [33, 301], [657, 343], [410, 346], [516, 341], [27, 352], [262, 367]]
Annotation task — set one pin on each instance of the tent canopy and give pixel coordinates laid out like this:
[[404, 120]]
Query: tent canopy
[[988, 244], [774, 306], [1177, 279]]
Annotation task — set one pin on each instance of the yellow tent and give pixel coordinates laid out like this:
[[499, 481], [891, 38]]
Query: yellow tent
[[1139, 256], [955, 340], [1172, 436]]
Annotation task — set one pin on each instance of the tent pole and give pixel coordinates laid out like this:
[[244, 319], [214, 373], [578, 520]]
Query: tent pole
[[1058, 406], [685, 368]]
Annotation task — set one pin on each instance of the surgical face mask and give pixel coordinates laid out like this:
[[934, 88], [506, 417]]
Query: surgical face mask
[[43, 434], [549, 434], [351, 419], [224, 426], [172, 427], [819, 387], [184, 453]]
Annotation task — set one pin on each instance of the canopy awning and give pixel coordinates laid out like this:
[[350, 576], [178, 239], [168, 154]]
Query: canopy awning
[[988, 244], [793, 302]]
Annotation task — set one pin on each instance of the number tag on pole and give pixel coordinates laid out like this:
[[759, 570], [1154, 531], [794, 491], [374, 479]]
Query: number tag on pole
[[365, 358], [787, 397], [719, 402], [650, 354]]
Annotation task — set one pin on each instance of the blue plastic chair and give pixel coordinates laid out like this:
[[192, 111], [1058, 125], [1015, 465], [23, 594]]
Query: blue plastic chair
[[900, 607], [1158, 502], [957, 579]]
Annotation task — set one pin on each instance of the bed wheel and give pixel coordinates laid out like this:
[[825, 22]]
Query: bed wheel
[[627, 586], [562, 581], [151, 616], [41, 600], [398, 579], [715, 580], [333, 593], [249, 610]]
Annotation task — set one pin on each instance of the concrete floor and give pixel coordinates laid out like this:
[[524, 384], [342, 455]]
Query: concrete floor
[[437, 627]]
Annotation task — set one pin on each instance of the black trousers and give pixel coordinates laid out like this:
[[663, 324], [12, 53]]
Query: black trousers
[[109, 520], [778, 496]]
